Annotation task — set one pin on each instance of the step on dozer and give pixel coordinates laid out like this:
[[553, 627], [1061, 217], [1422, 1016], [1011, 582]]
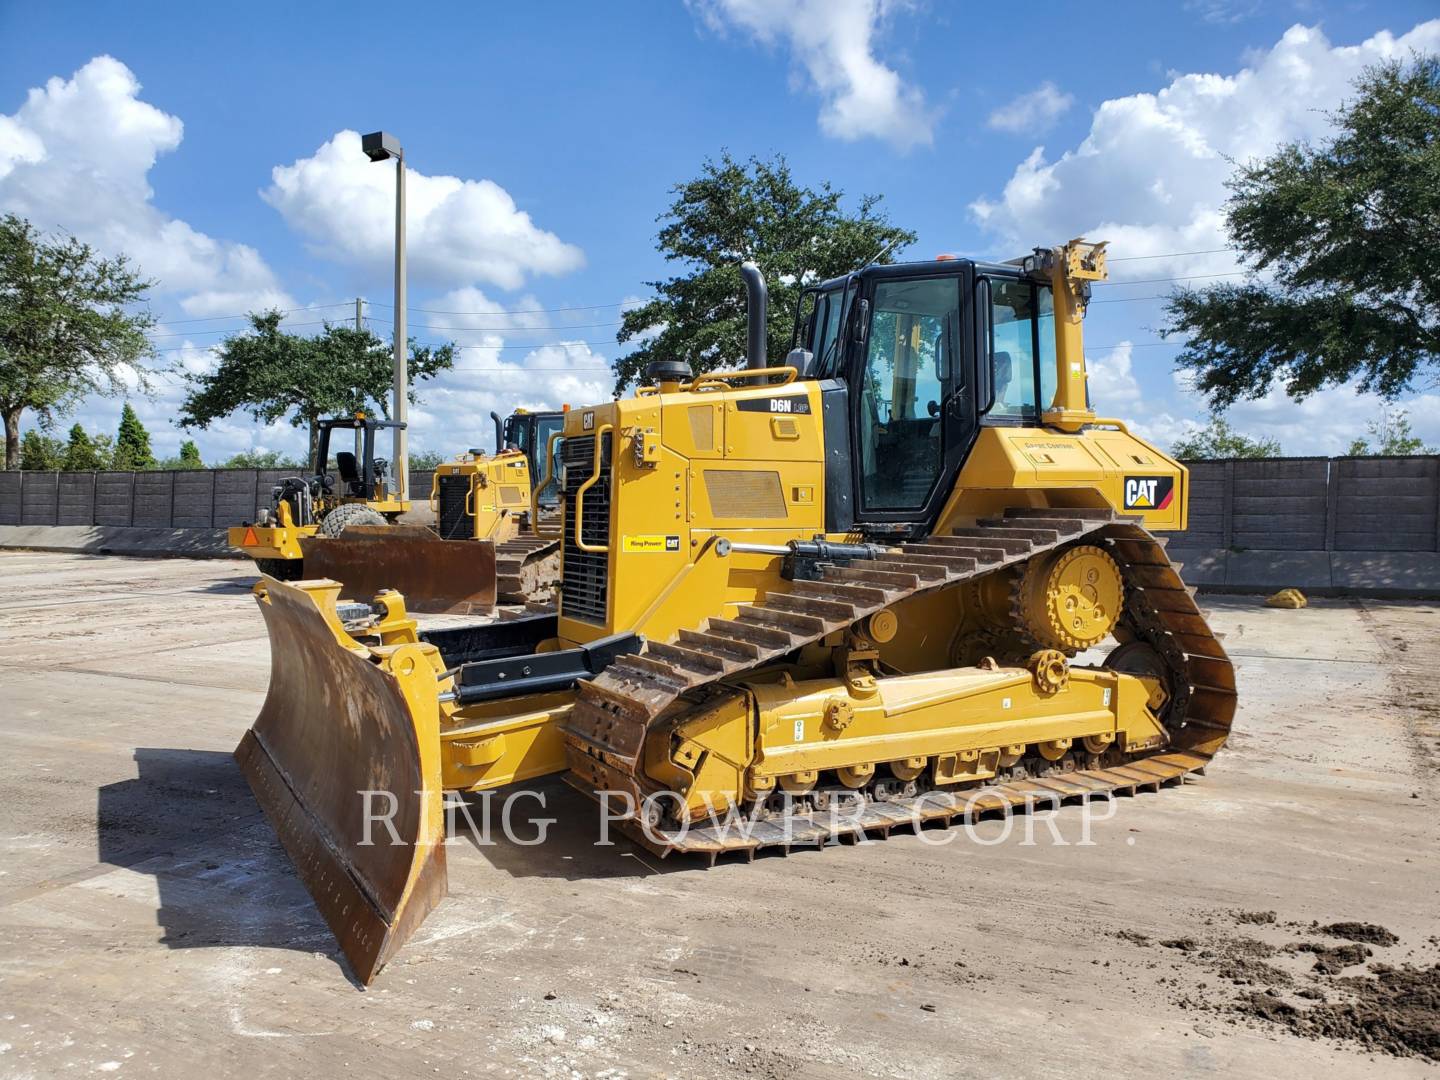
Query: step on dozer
[[861, 590]]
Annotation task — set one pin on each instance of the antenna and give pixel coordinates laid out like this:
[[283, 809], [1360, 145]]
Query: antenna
[[879, 254]]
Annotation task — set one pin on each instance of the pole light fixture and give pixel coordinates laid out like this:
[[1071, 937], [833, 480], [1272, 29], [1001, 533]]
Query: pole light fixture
[[382, 146]]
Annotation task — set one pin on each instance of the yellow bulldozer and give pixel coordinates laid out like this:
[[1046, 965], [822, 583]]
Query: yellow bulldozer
[[345, 526], [905, 577]]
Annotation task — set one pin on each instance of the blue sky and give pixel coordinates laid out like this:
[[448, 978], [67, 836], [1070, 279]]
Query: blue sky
[[213, 146]]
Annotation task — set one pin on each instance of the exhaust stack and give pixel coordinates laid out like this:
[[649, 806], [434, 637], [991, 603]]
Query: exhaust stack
[[756, 297], [499, 432]]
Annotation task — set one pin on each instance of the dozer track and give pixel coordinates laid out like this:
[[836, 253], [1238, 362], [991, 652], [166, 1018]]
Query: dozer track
[[606, 731], [526, 569]]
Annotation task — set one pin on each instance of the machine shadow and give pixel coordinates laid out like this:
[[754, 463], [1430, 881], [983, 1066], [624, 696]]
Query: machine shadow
[[188, 820], [553, 832]]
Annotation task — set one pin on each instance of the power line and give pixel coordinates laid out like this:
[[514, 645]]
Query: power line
[[1170, 255], [520, 311], [231, 329], [1162, 280], [246, 314], [495, 329]]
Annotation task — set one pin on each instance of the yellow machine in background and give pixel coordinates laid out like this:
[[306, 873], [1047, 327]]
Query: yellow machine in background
[[328, 528], [360, 492], [857, 590]]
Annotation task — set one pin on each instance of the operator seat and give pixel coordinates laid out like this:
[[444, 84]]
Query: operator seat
[[349, 473]]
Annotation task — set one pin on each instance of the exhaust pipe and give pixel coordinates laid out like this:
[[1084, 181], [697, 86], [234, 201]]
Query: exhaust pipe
[[499, 432], [755, 301]]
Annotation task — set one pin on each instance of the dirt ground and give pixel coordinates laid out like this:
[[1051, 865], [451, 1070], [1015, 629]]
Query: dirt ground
[[150, 922]]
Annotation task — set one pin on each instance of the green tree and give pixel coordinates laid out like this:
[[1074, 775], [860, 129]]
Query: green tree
[[85, 452], [734, 211], [41, 453], [263, 459], [1392, 437], [190, 455], [68, 327], [1217, 439], [422, 460], [1348, 229], [272, 374], [132, 442]]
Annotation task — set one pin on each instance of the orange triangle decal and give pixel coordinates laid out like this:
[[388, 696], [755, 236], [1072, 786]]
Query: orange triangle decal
[[251, 540]]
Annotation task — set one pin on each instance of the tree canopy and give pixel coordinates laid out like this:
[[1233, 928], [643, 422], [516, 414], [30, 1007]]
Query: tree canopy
[[68, 327], [1348, 231], [737, 211], [1218, 439], [273, 374]]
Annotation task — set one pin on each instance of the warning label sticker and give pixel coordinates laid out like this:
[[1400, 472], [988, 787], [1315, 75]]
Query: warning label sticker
[[651, 542]]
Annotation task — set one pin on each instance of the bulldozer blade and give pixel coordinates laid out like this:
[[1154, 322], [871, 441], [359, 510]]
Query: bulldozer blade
[[438, 577], [344, 758]]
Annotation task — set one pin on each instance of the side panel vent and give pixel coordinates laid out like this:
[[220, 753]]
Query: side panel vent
[[455, 522], [737, 493], [585, 577]]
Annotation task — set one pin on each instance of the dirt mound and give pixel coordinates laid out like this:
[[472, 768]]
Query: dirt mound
[[1332, 959], [1253, 918], [1389, 1009], [1367, 933], [1396, 1010]]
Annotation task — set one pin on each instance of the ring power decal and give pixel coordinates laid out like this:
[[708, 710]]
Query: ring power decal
[[654, 542], [1149, 492]]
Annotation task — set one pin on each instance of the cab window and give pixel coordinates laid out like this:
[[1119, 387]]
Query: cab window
[[825, 338], [908, 376], [1012, 351]]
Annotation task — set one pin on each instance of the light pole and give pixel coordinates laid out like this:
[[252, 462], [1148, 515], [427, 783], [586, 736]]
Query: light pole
[[380, 146]]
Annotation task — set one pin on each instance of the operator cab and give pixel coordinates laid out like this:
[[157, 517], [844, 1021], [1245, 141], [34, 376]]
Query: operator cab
[[913, 359], [362, 477], [529, 432]]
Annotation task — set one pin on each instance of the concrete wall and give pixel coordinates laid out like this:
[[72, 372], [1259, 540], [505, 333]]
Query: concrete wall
[[1327, 524], [179, 499]]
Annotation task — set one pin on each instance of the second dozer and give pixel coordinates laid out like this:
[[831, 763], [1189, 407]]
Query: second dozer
[[827, 597]]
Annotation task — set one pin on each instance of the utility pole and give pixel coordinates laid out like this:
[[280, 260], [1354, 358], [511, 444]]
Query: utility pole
[[380, 146], [359, 432]]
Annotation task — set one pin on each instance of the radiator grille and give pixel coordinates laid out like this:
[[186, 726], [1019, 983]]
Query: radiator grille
[[736, 493], [585, 581], [455, 523]]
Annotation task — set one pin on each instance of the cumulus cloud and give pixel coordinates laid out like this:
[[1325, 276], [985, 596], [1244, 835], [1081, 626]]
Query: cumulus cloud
[[1150, 174], [77, 156], [1113, 386], [1032, 113], [833, 41], [465, 230]]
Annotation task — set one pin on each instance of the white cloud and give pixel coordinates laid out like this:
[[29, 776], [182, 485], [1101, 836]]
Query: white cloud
[[834, 41], [1150, 174], [1114, 389], [1032, 113], [76, 156], [465, 230]]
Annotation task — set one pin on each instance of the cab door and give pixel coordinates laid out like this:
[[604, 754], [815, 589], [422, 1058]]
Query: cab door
[[911, 387]]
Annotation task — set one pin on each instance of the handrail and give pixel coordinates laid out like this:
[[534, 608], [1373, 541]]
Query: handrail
[[1105, 421], [596, 549], [790, 372], [535, 489], [435, 494]]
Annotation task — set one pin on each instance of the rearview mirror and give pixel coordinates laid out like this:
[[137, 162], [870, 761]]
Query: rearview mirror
[[862, 322]]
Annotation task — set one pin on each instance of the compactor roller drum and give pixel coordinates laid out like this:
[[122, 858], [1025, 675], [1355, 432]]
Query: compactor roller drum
[[907, 576]]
